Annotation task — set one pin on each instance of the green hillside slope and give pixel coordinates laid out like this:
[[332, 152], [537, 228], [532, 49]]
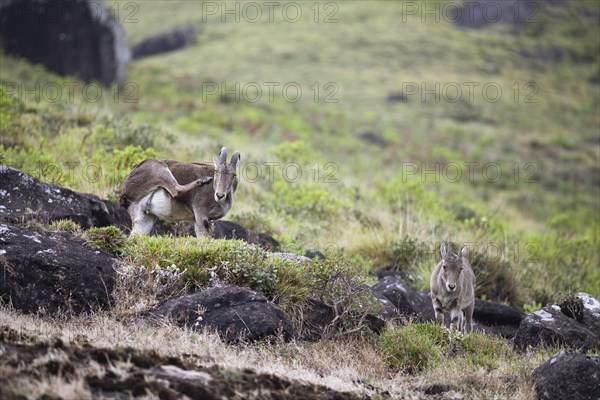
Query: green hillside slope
[[363, 128]]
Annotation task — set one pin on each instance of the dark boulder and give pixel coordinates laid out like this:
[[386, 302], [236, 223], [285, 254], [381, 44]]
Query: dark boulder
[[397, 96], [496, 318], [165, 41], [22, 198], [220, 230], [81, 38], [231, 230], [235, 312], [491, 313], [314, 254], [574, 324], [409, 302], [319, 318], [568, 376], [44, 272]]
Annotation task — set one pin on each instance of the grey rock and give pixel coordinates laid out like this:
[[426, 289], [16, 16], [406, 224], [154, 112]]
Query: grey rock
[[551, 325], [165, 41], [81, 38], [50, 273], [237, 313], [26, 198], [568, 376], [409, 302]]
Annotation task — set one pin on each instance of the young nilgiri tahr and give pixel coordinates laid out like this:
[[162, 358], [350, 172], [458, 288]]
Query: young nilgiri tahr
[[453, 290]]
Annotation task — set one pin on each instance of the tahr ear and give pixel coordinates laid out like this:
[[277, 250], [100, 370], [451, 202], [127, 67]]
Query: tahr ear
[[443, 250], [462, 252], [215, 160]]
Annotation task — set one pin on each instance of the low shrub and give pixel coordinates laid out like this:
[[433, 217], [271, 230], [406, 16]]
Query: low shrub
[[109, 238], [66, 225], [485, 350], [414, 347], [396, 255]]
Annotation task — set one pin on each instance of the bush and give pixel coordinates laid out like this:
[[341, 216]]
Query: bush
[[397, 255], [66, 225], [485, 350], [110, 239], [254, 221], [312, 201], [414, 347], [233, 262], [495, 278]]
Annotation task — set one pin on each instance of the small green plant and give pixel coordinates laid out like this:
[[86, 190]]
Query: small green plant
[[66, 225], [485, 350], [571, 305], [296, 152], [495, 277], [414, 347], [308, 200], [254, 221], [109, 239], [532, 307], [397, 255]]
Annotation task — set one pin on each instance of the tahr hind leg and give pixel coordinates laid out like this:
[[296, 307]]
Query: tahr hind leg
[[141, 222]]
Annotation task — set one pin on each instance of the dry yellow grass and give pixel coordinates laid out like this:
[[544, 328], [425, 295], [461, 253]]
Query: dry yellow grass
[[349, 364]]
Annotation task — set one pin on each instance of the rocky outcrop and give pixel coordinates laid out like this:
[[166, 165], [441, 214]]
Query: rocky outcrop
[[573, 324], [50, 273], [165, 41], [231, 230], [234, 312], [22, 198], [409, 302], [319, 319], [80, 38], [29, 366], [568, 376]]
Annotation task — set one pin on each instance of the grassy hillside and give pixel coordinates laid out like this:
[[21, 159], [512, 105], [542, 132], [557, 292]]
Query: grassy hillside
[[349, 167], [377, 162]]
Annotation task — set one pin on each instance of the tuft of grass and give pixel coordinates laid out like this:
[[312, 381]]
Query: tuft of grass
[[66, 225], [109, 238], [233, 262], [486, 350], [254, 221], [394, 254], [495, 278], [414, 347]]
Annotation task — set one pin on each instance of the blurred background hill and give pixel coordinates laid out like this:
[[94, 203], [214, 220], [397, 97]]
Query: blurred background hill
[[376, 128]]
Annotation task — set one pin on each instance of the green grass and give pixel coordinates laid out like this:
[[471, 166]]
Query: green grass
[[414, 347], [534, 231]]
